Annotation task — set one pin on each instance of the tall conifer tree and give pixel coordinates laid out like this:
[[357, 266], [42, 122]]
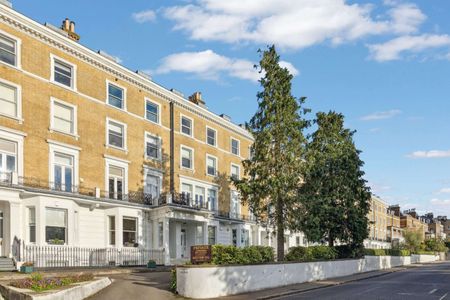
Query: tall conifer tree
[[334, 198], [274, 170]]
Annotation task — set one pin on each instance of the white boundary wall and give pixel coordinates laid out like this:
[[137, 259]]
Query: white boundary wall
[[211, 282]]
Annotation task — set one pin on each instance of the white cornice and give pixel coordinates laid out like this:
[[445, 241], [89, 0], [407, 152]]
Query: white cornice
[[48, 36]]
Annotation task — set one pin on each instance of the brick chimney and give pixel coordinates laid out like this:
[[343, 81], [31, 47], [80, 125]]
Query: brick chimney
[[69, 27], [197, 99]]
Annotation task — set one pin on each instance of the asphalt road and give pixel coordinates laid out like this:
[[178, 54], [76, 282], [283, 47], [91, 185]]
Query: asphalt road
[[428, 282]]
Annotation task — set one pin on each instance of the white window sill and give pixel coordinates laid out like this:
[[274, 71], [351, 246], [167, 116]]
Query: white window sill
[[74, 135], [187, 135], [18, 68], [117, 148], [210, 175], [124, 109], [69, 88], [150, 121], [153, 159], [187, 169], [18, 119]]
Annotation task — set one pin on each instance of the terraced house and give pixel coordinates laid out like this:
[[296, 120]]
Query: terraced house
[[93, 155]]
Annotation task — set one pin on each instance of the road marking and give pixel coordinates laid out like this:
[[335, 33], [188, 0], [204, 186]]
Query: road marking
[[443, 296], [432, 291]]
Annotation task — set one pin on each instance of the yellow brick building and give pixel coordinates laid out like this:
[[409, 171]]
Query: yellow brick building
[[93, 154], [378, 222]]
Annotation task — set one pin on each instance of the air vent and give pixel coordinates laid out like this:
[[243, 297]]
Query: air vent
[[226, 117], [177, 92], [108, 56], [143, 74]]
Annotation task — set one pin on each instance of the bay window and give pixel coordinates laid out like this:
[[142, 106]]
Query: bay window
[[56, 226], [129, 232]]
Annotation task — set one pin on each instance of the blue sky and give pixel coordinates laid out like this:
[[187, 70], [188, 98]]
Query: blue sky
[[384, 64]]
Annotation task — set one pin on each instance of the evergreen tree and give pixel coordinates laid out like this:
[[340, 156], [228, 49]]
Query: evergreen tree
[[334, 198], [274, 170]]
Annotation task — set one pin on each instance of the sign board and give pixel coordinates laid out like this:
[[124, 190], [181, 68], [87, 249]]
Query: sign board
[[200, 254]]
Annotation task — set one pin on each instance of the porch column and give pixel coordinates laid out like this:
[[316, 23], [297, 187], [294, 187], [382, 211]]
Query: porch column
[[205, 233], [15, 226], [155, 244], [177, 240], [166, 241]]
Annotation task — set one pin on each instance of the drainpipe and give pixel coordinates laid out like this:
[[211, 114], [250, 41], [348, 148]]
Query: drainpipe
[[172, 150]]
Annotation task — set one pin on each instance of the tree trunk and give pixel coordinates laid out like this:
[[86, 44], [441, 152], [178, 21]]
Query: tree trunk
[[330, 240], [280, 231]]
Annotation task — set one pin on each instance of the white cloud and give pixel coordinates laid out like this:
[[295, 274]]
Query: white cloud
[[440, 202], [444, 191], [290, 24], [430, 154], [393, 49], [406, 18], [381, 115], [144, 16], [210, 65]]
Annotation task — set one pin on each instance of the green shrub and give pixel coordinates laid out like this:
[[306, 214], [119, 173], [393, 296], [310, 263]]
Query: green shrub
[[424, 252], [231, 255], [375, 252], [173, 280], [299, 254], [311, 253], [398, 252], [437, 245], [323, 252], [349, 251]]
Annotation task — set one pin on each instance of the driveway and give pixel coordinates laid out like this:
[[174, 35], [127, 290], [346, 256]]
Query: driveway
[[148, 285]]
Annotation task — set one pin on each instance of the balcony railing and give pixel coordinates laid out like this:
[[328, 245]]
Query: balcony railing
[[136, 197]]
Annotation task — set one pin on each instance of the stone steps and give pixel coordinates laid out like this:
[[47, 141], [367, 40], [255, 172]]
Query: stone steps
[[7, 264]]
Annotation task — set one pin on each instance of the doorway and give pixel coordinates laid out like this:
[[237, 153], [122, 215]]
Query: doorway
[[183, 243]]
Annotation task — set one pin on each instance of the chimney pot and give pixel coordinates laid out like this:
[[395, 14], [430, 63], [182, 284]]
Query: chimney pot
[[66, 25], [72, 26], [197, 98]]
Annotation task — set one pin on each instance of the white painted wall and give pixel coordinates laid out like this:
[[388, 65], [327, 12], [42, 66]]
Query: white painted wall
[[211, 282], [422, 258]]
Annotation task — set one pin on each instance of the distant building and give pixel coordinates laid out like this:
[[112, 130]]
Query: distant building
[[394, 230], [410, 220], [378, 237]]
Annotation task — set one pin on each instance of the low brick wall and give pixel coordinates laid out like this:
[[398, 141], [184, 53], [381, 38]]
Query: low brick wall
[[211, 281]]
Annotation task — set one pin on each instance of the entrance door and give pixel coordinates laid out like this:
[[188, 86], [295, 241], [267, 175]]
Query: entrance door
[[183, 243]]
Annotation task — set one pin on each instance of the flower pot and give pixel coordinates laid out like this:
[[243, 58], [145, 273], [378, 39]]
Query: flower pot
[[26, 269], [151, 265]]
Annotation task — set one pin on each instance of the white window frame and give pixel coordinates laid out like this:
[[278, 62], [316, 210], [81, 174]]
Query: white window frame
[[108, 82], [231, 146], [108, 218], [52, 115], [198, 183], [216, 206], [15, 137], [18, 41], [66, 242], [18, 100], [29, 224], [156, 173], [118, 163], [136, 220], [215, 136], [73, 79], [159, 110], [239, 170], [181, 125], [66, 150], [238, 212], [216, 165], [148, 134], [124, 125], [192, 158]]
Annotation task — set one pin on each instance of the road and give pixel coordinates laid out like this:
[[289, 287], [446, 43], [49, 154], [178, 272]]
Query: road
[[427, 282]]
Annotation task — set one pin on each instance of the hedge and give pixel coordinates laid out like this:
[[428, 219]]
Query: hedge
[[231, 255], [424, 252], [385, 252], [311, 253]]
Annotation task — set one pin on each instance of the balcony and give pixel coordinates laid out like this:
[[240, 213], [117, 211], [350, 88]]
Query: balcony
[[183, 200], [43, 186]]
